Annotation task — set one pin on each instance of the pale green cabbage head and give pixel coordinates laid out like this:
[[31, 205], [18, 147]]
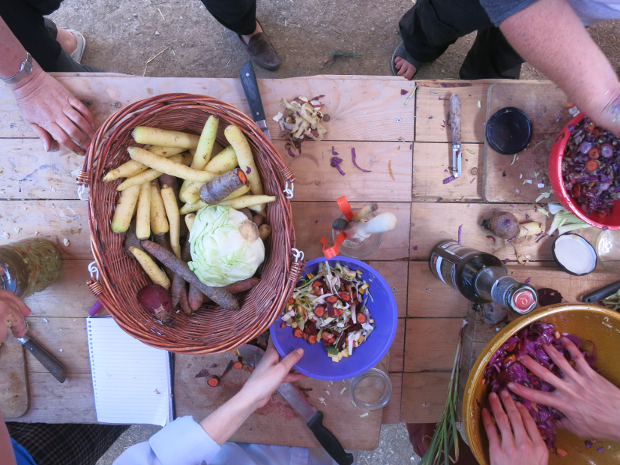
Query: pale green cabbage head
[[225, 246]]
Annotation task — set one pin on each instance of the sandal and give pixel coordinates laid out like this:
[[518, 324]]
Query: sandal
[[402, 52], [81, 45]]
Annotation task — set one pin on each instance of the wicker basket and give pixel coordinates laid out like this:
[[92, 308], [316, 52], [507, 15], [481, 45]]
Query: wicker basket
[[212, 329]]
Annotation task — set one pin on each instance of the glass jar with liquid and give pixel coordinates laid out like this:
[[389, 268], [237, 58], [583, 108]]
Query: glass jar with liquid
[[29, 266]]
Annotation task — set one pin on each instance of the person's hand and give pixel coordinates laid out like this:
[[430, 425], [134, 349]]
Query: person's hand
[[12, 313], [590, 402], [521, 441], [270, 373], [53, 113]]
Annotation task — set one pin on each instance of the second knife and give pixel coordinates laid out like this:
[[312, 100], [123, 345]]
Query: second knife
[[252, 94]]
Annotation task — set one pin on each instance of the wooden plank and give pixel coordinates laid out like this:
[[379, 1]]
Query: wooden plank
[[423, 397], [276, 423], [359, 109], [13, 382], [431, 165], [428, 297], [69, 297], [544, 103], [55, 220], [434, 222], [391, 412], [65, 339], [395, 273], [29, 172], [397, 351], [433, 103], [430, 343], [51, 402], [572, 288], [312, 220], [389, 163]]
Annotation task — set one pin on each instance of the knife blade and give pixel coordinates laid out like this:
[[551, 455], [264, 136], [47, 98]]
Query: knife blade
[[313, 418], [455, 130], [252, 94], [602, 293], [51, 363]]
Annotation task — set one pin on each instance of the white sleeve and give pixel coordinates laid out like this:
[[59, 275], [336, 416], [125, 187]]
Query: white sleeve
[[182, 442]]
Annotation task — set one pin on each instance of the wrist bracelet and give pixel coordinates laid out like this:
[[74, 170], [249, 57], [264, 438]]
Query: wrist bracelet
[[24, 70]]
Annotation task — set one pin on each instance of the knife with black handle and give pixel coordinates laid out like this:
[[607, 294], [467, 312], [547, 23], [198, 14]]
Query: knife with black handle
[[252, 94], [51, 363], [602, 293]]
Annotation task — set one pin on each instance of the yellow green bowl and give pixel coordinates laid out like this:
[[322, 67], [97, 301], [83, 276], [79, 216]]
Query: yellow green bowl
[[588, 322]]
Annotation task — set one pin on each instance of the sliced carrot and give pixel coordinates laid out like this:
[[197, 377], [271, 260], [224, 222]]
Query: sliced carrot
[[312, 340], [297, 332], [344, 296], [213, 381], [332, 299], [291, 301], [601, 214], [561, 452], [356, 301], [304, 336], [596, 132], [316, 283], [591, 166], [594, 153], [361, 318], [319, 311], [338, 311], [282, 325], [238, 365], [325, 336]]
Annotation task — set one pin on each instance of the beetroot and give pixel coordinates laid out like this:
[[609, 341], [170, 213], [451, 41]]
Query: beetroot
[[157, 300]]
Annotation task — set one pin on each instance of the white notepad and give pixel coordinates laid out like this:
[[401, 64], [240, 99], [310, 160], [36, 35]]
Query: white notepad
[[131, 380]]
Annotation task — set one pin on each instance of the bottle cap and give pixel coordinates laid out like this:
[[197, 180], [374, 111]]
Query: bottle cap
[[524, 300], [509, 130]]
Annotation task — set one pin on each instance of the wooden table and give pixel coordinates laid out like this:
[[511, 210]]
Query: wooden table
[[406, 147]]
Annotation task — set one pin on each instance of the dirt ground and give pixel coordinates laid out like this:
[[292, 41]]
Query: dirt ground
[[180, 38]]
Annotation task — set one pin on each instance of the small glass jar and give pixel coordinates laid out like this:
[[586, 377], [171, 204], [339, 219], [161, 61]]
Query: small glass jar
[[607, 246], [359, 249], [29, 266], [371, 390]]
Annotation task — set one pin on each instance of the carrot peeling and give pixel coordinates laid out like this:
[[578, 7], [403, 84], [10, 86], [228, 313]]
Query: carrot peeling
[[297, 332], [238, 365], [360, 317], [214, 381]]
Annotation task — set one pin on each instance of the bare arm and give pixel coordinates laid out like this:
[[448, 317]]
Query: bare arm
[[549, 35], [50, 110]]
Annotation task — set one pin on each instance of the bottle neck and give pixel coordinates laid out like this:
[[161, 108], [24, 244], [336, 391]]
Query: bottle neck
[[493, 283]]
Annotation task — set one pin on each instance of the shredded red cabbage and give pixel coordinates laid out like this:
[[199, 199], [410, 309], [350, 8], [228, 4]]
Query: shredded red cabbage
[[504, 368], [248, 170], [336, 164], [334, 151], [459, 233], [355, 163], [288, 146], [449, 179], [591, 167]]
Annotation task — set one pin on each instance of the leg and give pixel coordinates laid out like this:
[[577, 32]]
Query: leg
[[240, 16], [420, 435], [69, 444], [35, 34], [432, 25], [491, 57], [237, 15]]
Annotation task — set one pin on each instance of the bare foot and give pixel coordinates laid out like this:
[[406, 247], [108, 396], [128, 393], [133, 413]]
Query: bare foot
[[258, 29], [67, 41], [405, 69]]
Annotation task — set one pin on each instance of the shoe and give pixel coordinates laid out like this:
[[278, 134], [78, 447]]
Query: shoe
[[401, 51], [81, 45], [261, 51]]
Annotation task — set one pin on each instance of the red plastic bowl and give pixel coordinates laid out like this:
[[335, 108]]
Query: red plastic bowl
[[557, 183]]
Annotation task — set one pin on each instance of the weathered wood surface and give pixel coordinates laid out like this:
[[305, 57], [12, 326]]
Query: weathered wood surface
[[13, 381], [398, 348], [315, 179], [434, 222], [431, 165], [544, 103], [277, 420], [359, 109], [391, 412]]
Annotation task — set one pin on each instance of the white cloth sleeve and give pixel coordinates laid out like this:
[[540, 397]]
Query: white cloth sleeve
[[182, 442]]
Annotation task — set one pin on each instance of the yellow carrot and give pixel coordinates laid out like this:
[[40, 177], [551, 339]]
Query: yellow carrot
[[164, 138]]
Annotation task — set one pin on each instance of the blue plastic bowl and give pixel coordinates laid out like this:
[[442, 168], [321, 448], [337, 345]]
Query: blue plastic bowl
[[316, 363]]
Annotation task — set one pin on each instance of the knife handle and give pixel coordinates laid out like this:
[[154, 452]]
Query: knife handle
[[252, 94], [329, 442], [51, 363], [602, 293]]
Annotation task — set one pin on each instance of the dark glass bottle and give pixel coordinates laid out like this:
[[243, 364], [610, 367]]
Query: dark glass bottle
[[480, 277]]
